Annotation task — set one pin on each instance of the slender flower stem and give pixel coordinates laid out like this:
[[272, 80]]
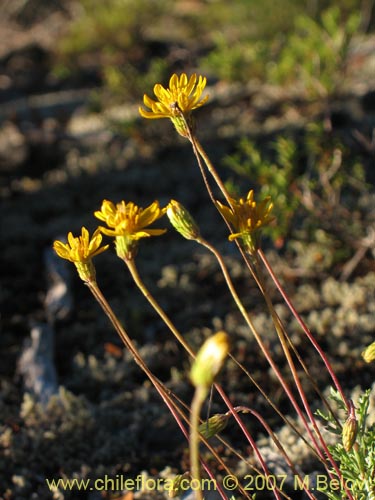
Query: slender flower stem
[[94, 288], [138, 281], [210, 167], [258, 338], [301, 392], [275, 408], [308, 375], [133, 270], [199, 152], [246, 433], [274, 366], [197, 147], [304, 327], [227, 446], [257, 471], [196, 406], [280, 448]]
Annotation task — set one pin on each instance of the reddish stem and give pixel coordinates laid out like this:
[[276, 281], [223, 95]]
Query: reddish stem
[[280, 447], [304, 327], [246, 433]]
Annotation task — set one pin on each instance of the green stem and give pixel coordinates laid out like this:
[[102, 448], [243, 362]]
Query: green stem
[[301, 392], [258, 338], [210, 167], [199, 152], [133, 270], [274, 366], [281, 449], [196, 406], [95, 290], [280, 333], [163, 392], [198, 148], [138, 281], [246, 433]]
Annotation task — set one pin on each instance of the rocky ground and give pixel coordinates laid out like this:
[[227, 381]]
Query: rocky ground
[[57, 163]]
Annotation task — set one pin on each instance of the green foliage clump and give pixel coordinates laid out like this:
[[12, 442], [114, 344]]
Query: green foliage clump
[[112, 25], [127, 42], [243, 36], [300, 50], [314, 55], [238, 62], [111, 37], [315, 183]]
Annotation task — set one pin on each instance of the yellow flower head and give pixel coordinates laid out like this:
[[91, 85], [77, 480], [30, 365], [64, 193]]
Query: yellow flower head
[[246, 217], [80, 250], [182, 96], [128, 223]]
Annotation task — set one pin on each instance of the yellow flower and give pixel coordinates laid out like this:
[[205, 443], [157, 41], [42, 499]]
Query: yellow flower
[[127, 219], [80, 250], [246, 217], [182, 96], [128, 223]]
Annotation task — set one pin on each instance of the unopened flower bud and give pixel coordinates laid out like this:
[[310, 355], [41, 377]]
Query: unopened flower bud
[[369, 353], [182, 221], [209, 360], [214, 425], [178, 485], [349, 430]]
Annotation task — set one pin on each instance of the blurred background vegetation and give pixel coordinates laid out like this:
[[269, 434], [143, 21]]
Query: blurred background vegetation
[[309, 49], [130, 44], [291, 114], [309, 54], [291, 86]]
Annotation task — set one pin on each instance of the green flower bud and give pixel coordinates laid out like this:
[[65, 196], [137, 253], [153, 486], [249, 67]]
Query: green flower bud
[[369, 353], [209, 360], [213, 425], [349, 431], [177, 488], [182, 221]]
